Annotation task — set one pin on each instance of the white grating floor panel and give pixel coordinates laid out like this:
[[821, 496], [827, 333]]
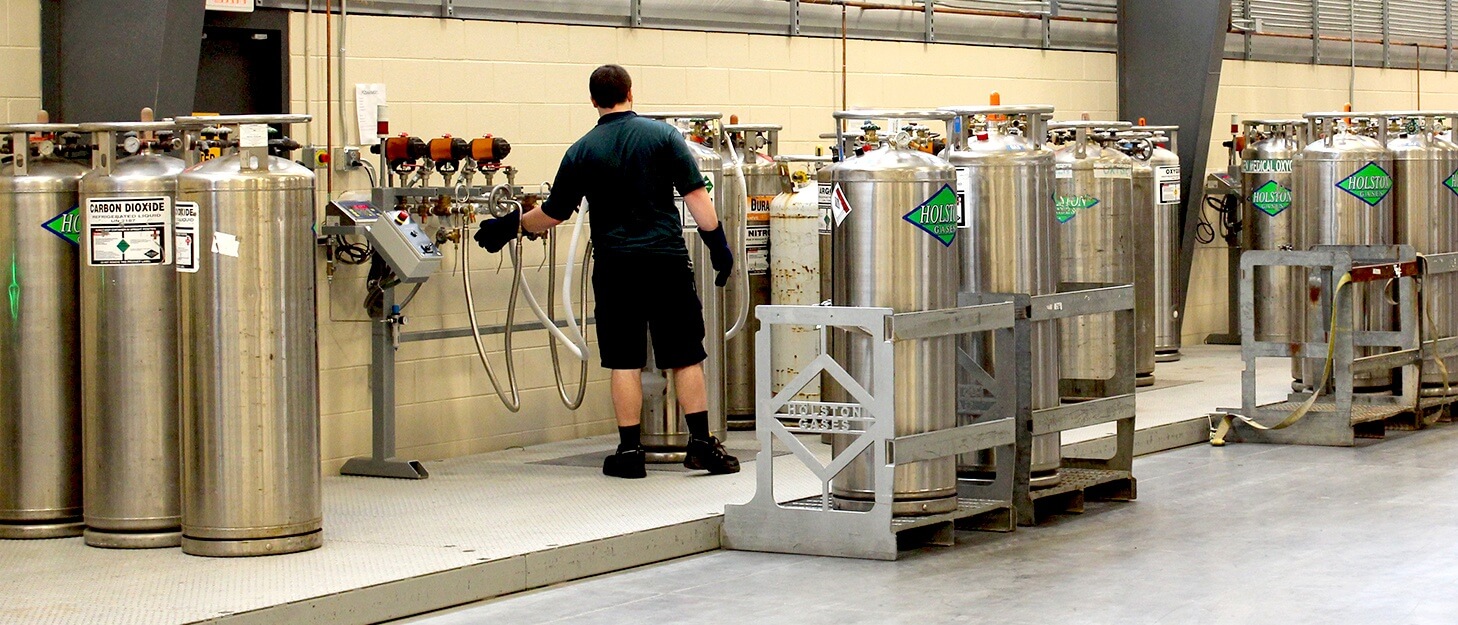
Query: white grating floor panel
[[471, 510]]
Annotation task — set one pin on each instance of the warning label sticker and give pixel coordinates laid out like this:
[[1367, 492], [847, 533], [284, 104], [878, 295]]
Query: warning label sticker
[[1168, 179], [840, 207], [689, 223], [757, 235], [185, 231], [66, 225], [826, 221], [937, 215], [964, 189], [128, 231]]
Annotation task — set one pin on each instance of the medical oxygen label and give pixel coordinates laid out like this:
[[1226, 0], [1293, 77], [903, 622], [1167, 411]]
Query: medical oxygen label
[[122, 231], [1266, 166]]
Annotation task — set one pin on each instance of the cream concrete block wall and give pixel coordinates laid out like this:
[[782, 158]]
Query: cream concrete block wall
[[20, 55], [528, 83], [1253, 90]]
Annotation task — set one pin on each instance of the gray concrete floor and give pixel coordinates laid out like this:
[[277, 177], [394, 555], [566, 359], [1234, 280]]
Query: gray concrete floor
[[1242, 534]]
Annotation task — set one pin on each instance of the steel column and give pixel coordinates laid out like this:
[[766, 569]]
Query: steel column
[[1174, 80]]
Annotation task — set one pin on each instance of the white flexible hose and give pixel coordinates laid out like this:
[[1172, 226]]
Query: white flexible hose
[[742, 310], [576, 341]]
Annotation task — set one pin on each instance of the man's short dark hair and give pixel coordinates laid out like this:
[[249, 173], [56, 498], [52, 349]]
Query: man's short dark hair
[[609, 86]]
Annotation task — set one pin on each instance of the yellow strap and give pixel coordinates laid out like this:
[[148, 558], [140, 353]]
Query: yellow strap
[[1217, 438]]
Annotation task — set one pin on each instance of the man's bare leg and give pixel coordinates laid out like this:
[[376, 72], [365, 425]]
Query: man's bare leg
[[688, 383], [627, 387]]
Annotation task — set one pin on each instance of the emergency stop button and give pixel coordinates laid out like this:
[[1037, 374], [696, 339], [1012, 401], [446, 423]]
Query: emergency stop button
[[402, 217]]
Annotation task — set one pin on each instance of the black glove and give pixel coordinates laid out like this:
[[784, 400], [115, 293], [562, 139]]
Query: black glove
[[494, 234], [719, 255]]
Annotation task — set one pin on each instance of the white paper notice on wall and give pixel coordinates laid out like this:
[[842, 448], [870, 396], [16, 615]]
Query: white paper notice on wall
[[367, 100], [236, 6], [225, 244], [253, 135]]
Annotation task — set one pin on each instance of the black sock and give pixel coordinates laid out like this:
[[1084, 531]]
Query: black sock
[[628, 437], [698, 424]]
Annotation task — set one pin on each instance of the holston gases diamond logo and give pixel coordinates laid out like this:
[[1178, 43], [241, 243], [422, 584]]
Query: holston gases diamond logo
[[1371, 184], [1067, 206], [1452, 182], [66, 225], [938, 215], [1271, 198]]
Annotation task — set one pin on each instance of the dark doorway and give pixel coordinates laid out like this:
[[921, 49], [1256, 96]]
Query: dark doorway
[[243, 68]]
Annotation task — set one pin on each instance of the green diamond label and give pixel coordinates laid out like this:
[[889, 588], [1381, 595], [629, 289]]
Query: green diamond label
[[937, 216], [1271, 198], [66, 225], [1371, 184], [122, 245], [1452, 182], [1067, 206]]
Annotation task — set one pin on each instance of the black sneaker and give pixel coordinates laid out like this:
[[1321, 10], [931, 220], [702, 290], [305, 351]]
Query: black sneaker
[[625, 464], [710, 456]]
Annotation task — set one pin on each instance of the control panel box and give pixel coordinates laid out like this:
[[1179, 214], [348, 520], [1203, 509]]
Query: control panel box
[[394, 235]]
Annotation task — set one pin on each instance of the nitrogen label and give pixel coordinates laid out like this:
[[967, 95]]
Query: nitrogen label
[[128, 231]]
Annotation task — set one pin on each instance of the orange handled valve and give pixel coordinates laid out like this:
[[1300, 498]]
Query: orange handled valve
[[489, 150], [447, 153], [403, 149]]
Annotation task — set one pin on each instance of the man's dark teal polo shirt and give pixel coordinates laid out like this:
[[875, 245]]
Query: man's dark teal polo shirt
[[628, 168]]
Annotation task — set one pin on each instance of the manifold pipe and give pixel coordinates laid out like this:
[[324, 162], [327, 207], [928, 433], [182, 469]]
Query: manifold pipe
[[512, 403]]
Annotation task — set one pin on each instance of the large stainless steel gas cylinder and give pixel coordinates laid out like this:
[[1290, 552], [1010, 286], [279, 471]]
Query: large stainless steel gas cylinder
[[1009, 244], [665, 434], [40, 401], [1266, 214], [249, 354], [1343, 196], [795, 275], [896, 248], [1095, 210], [1164, 163], [129, 349], [748, 151], [1425, 207], [1139, 146]]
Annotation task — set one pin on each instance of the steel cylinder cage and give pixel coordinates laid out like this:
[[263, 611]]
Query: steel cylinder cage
[[813, 526], [1057, 24]]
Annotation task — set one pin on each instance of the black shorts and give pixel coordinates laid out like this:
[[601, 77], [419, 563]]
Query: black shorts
[[639, 297]]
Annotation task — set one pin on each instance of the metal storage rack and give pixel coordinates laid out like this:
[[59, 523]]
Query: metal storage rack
[[814, 526], [1110, 478], [1342, 415]]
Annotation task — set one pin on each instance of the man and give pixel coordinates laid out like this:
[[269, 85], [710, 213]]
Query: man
[[628, 168]]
